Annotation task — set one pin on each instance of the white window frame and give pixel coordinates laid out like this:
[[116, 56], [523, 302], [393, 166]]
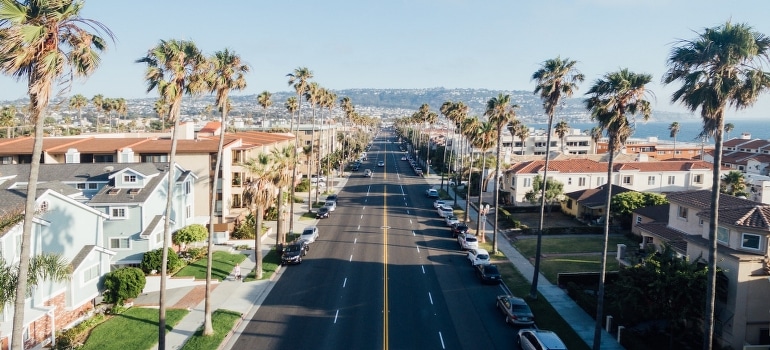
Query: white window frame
[[91, 273], [581, 181], [743, 241], [697, 179], [682, 212], [93, 186], [600, 180], [527, 182], [671, 179], [627, 180], [638, 219], [130, 179], [124, 210], [651, 180], [118, 240]]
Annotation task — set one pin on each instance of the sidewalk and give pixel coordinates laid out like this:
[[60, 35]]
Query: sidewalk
[[581, 322]]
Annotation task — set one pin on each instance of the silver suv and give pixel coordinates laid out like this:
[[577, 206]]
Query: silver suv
[[540, 339]]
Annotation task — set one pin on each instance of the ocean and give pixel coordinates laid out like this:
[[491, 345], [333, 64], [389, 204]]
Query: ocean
[[688, 130]]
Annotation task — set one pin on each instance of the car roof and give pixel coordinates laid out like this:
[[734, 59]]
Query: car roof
[[481, 251], [549, 338]]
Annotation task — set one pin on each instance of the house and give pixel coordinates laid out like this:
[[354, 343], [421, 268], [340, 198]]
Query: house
[[63, 225], [589, 204], [132, 196], [653, 148], [583, 173], [743, 231]]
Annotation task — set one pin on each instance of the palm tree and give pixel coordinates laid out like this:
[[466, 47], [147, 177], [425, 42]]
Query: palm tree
[[44, 267], [284, 161], [174, 68], [78, 102], [484, 139], [611, 100], [259, 194], [264, 100], [674, 129], [522, 132], [733, 183], [500, 112], [561, 130], [226, 73], [98, 102], [8, 118], [121, 109], [728, 127], [313, 95], [596, 135], [722, 66], [307, 151], [43, 41], [469, 127], [556, 79], [299, 79], [160, 107]]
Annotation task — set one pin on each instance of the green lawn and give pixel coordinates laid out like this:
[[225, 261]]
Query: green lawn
[[270, 263], [222, 266], [550, 267], [143, 326], [223, 322], [569, 245]]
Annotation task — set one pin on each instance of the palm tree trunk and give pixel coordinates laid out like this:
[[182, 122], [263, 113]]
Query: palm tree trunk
[[294, 169], [167, 237], [479, 207], [708, 314], [468, 188], [280, 219], [36, 109], [541, 224], [600, 294], [259, 213], [497, 187], [208, 328]]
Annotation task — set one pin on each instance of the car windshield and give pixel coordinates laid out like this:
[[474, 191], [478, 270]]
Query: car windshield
[[307, 233], [482, 256], [293, 248], [470, 239]]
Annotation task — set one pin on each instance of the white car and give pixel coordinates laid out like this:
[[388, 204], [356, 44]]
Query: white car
[[310, 234], [380, 163], [467, 241], [331, 205], [478, 257], [451, 219], [439, 202], [444, 211], [403, 157], [316, 178]]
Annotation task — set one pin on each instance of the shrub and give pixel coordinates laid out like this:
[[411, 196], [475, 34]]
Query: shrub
[[151, 261], [303, 186], [189, 234], [194, 254], [122, 284], [271, 214]]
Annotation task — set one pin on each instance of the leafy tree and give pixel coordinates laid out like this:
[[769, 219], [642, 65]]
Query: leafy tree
[[123, 284], [722, 66], [553, 193], [45, 267], [625, 203], [189, 234], [151, 261], [733, 183]]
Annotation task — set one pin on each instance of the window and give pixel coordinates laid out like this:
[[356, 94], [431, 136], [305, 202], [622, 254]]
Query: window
[[671, 179], [661, 152], [750, 241], [582, 182], [6, 160], [91, 273], [188, 211], [129, 178], [118, 213], [119, 243], [159, 237], [569, 204], [628, 180], [187, 188], [527, 182], [569, 181], [81, 186], [682, 213], [651, 180], [154, 158], [697, 179], [600, 181], [723, 235], [638, 219]]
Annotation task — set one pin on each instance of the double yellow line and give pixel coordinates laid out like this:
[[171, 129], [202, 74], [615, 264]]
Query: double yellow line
[[385, 270]]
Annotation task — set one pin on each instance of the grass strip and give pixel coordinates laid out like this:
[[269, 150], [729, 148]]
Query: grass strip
[[143, 326], [223, 321], [222, 266]]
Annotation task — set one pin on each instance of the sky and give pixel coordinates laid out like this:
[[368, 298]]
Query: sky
[[410, 44]]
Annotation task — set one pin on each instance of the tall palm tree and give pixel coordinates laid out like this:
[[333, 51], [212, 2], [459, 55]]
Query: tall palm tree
[[556, 79], [500, 112], [299, 79], [722, 66], [174, 68], [78, 102], [728, 127], [674, 130], [43, 41], [484, 139], [259, 194], [596, 135], [611, 100], [307, 151], [98, 102], [8, 119], [160, 107], [283, 161], [522, 132], [121, 109], [561, 130], [264, 100], [313, 96], [225, 73], [469, 127]]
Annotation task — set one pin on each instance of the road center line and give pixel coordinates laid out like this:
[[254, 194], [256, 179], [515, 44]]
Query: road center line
[[351, 258], [335, 316], [418, 249], [423, 269], [431, 298], [344, 282], [440, 337]]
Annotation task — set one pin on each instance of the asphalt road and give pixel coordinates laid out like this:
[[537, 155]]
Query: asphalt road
[[385, 273]]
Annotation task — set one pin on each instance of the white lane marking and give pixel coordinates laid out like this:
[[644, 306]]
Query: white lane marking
[[362, 216], [431, 298], [423, 269], [418, 249], [351, 258], [442, 340], [355, 240], [410, 220], [335, 316], [359, 228], [414, 234], [345, 282]]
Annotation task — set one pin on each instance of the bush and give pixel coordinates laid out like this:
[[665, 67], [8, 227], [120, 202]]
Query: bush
[[69, 339], [194, 254], [271, 214], [122, 284], [189, 234], [151, 261], [303, 186]]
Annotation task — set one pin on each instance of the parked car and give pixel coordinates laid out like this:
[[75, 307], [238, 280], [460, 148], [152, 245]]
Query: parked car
[[316, 178], [355, 167], [432, 193], [533, 339], [453, 183], [467, 241], [368, 173], [459, 228], [489, 274], [332, 197], [403, 157], [322, 213], [444, 211], [478, 256], [438, 202], [380, 163], [294, 251], [418, 171], [310, 234], [515, 310], [451, 219], [331, 205]]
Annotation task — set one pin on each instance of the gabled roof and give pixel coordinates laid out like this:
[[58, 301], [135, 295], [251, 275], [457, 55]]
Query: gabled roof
[[674, 238], [211, 127], [732, 210], [755, 144], [701, 200], [657, 213], [735, 142], [595, 197], [757, 217], [83, 254]]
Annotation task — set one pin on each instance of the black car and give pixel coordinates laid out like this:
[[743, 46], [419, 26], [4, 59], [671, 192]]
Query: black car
[[322, 213], [355, 167], [488, 274], [331, 197], [459, 228], [294, 251]]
